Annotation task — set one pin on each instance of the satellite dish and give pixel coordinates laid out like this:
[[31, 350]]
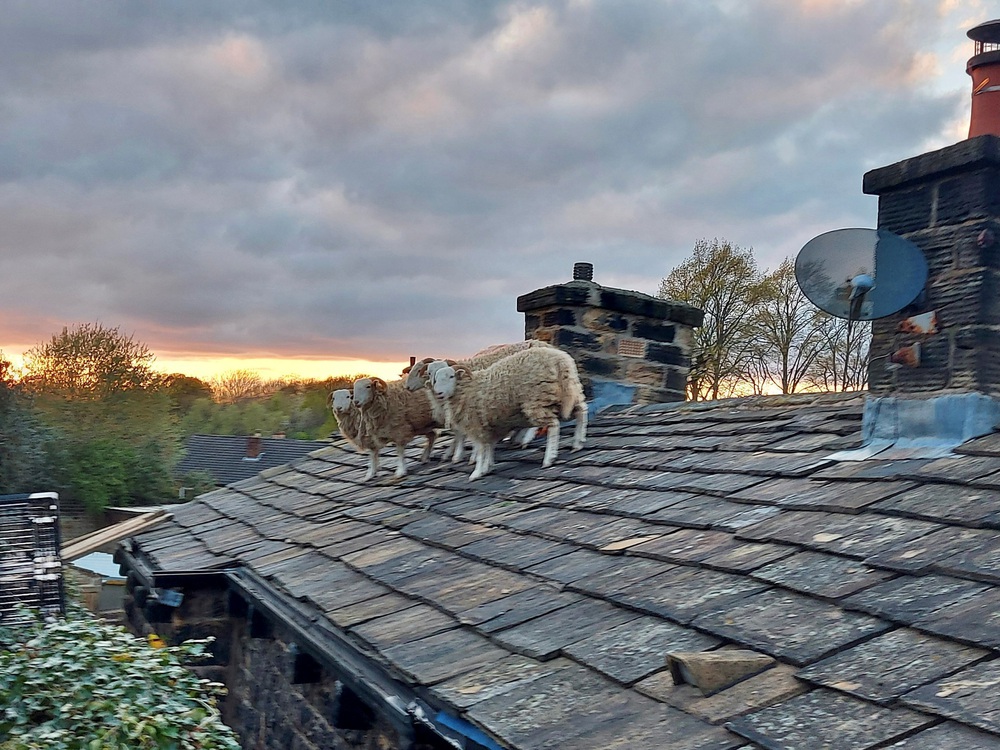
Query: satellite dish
[[860, 274]]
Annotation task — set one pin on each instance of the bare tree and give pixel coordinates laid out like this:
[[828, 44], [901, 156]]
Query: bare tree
[[723, 280], [234, 386], [790, 334], [842, 363]]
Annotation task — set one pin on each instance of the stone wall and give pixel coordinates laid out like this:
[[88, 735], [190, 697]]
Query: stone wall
[[948, 203], [639, 343], [278, 698]]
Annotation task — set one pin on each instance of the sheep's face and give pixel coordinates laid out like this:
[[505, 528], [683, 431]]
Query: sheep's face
[[341, 400], [416, 377], [364, 392], [443, 382]]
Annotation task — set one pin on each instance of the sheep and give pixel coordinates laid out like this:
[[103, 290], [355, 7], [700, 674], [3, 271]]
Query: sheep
[[532, 388], [393, 414], [419, 376], [352, 427]]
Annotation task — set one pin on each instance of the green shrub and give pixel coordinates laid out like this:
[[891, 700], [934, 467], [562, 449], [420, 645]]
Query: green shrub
[[81, 684]]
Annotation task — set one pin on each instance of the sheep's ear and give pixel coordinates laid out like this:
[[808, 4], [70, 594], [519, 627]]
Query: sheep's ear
[[378, 384], [406, 370]]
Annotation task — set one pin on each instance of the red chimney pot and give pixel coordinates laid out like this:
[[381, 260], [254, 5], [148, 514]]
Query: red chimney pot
[[984, 67]]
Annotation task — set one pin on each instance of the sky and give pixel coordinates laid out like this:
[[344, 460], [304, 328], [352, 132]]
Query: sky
[[311, 188]]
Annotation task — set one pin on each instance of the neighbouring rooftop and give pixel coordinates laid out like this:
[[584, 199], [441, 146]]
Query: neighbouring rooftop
[[540, 606]]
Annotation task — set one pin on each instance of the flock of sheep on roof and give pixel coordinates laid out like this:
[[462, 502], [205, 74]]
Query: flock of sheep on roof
[[529, 385]]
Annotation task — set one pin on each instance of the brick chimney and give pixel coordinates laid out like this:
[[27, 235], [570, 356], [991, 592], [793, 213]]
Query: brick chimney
[[629, 347], [984, 67]]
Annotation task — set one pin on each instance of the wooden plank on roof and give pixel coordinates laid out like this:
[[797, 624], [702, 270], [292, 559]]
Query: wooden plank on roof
[[90, 542]]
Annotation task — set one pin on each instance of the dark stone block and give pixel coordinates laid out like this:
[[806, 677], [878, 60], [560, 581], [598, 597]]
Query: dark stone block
[[668, 354], [567, 339], [637, 303], [654, 331], [980, 152], [602, 366], [562, 316], [676, 381], [531, 322]]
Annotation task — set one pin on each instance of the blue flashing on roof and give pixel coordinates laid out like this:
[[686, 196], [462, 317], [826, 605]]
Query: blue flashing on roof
[[466, 729], [610, 393]]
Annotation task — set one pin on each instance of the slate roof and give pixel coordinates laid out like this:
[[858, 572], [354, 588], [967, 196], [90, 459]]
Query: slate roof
[[539, 605], [225, 456]]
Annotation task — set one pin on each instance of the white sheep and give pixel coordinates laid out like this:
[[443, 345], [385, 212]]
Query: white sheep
[[420, 374], [535, 387], [351, 424], [393, 414]]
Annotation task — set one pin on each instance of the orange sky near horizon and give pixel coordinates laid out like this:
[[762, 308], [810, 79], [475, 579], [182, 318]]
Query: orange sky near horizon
[[205, 367]]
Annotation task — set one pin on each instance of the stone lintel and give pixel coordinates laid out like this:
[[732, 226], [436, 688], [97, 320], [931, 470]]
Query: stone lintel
[[965, 156]]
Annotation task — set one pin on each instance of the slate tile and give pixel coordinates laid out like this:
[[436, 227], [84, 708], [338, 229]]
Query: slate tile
[[553, 711], [975, 620], [328, 597], [882, 669], [402, 626], [717, 484], [771, 686], [629, 571], [790, 626], [697, 512], [443, 655], [980, 561], [640, 503], [908, 599], [458, 591], [446, 531], [368, 609], [820, 574], [493, 679], [958, 470], [852, 536], [517, 608], [872, 468], [637, 648], [681, 593], [843, 497], [949, 735], [746, 556], [359, 543], [824, 720], [543, 637], [745, 516], [686, 545], [655, 727], [517, 551], [969, 696], [970, 506], [931, 551], [776, 491], [987, 445], [574, 566]]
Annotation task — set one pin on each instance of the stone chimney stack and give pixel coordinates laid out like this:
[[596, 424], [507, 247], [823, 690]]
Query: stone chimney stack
[[630, 348]]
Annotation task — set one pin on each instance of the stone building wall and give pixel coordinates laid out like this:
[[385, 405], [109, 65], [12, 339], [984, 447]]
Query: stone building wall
[[278, 698], [628, 346], [947, 202]]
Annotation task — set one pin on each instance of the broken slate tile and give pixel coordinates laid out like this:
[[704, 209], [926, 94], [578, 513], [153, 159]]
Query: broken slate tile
[[820, 574], [975, 620], [790, 626], [637, 648], [969, 696], [543, 637], [889, 665], [908, 598], [824, 720], [771, 686], [949, 735], [713, 671]]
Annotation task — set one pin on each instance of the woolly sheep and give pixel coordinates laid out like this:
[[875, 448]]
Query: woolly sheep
[[351, 424], [535, 387], [420, 374], [392, 414]]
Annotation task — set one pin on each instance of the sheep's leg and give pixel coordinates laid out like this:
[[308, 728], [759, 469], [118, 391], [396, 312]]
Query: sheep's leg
[[372, 464], [431, 437], [459, 443], [449, 452], [527, 436], [400, 460], [580, 431], [551, 445], [482, 452]]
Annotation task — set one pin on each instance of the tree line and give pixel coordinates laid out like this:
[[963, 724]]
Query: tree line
[[89, 417], [760, 334]]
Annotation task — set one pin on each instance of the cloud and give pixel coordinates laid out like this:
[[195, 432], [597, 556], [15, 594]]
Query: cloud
[[379, 180]]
